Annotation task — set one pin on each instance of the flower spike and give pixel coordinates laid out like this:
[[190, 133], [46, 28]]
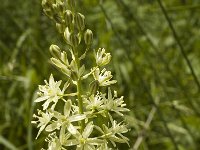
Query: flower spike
[[77, 114]]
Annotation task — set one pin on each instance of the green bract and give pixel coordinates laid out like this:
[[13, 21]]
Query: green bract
[[78, 124]]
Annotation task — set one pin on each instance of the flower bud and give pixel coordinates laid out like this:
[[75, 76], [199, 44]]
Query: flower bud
[[60, 6], [71, 3], [68, 17], [60, 27], [55, 51], [88, 37], [67, 35], [57, 18], [57, 63], [80, 21], [63, 57], [74, 41], [46, 4], [55, 8], [48, 12], [94, 86]]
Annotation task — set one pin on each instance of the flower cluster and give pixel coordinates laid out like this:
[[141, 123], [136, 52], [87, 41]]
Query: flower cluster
[[86, 120]]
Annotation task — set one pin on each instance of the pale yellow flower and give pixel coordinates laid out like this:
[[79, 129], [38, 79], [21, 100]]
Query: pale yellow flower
[[51, 92], [104, 77], [102, 58]]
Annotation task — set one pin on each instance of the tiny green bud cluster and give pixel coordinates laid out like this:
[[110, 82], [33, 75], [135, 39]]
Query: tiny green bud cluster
[[86, 121]]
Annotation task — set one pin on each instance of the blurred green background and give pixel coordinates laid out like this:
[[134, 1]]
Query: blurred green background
[[155, 51]]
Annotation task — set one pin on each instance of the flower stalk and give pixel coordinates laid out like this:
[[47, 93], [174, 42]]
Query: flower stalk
[[80, 101], [86, 121]]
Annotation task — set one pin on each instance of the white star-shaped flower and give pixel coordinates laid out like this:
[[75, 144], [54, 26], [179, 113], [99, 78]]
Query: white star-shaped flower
[[51, 92], [112, 103], [104, 77], [83, 141], [114, 133], [94, 102], [42, 121], [102, 58]]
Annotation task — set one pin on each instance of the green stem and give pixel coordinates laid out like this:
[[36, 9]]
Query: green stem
[[80, 101]]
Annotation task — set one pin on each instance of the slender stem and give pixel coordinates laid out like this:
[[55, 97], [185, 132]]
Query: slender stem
[[146, 126], [80, 102], [78, 86], [70, 94], [7, 143], [179, 44]]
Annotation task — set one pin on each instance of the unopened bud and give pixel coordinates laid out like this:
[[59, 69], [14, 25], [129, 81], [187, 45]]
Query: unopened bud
[[80, 21], [67, 35], [68, 17], [88, 37], [60, 27], [48, 12], [46, 4], [55, 51], [57, 18], [94, 86], [74, 41], [55, 8], [60, 6], [71, 3]]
